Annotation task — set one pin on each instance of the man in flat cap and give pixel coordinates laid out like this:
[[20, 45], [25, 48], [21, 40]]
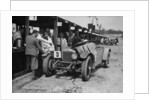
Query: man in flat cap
[[32, 51]]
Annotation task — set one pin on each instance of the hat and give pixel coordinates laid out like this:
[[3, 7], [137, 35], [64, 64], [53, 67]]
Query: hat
[[35, 31]]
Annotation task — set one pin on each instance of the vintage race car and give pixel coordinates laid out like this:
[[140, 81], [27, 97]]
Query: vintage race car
[[113, 41], [82, 57], [106, 41]]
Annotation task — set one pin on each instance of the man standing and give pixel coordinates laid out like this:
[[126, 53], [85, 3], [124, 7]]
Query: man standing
[[17, 39], [47, 46], [62, 41], [32, 51]]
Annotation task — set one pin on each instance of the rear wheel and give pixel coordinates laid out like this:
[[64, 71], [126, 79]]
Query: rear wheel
[[48, 65], [86, 68], [106, 62]]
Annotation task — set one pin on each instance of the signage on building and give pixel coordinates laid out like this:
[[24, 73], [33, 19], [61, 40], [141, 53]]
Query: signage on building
[[59, 23], [80, 30], [72, 28], [85, 31], [33, 18]]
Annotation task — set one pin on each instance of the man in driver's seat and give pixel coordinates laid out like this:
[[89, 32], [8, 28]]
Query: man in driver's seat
[[76, 39], [62, 41]]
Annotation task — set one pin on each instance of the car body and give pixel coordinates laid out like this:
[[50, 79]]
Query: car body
[[113, 41], [82, 57], [106, 41]]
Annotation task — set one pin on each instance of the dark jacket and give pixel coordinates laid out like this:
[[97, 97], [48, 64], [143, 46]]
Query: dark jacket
[[32, 46], [76, 40]]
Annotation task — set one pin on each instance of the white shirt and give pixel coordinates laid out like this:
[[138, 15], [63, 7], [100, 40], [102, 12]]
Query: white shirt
[[42, 39], [46, 44], [63, 43]]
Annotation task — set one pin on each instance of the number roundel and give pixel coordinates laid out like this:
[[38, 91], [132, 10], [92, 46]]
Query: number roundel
[[57, 54]]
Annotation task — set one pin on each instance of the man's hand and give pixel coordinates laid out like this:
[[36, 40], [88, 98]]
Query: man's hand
[[38, 46]]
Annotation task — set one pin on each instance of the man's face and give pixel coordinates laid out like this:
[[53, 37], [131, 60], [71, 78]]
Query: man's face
[[35, 34], [46, 34]]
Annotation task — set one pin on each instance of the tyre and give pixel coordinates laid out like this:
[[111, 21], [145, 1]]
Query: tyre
[[106, 62], [86, 69], [48, 65]]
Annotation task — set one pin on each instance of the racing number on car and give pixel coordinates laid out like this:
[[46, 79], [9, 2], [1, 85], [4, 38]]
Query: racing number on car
[[57, 54]]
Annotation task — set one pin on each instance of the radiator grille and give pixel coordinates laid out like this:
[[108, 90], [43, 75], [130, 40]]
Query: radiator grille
[[67, 56]]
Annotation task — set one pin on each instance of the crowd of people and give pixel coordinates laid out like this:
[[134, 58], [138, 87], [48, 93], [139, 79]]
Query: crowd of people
[[18, 38]]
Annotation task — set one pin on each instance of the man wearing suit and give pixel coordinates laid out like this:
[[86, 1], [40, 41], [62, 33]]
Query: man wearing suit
[[32, 51]]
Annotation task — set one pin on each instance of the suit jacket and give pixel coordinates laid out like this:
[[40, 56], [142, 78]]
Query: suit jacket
[[32, 46]]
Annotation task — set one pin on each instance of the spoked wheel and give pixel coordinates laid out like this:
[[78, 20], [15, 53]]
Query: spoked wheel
[[48, 65], [106, 62], [86, 69]]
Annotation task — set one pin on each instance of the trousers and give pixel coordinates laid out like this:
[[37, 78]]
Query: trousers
[[32, 62]]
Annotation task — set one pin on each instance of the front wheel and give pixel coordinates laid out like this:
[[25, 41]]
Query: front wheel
[[86, 69], [48, 65]]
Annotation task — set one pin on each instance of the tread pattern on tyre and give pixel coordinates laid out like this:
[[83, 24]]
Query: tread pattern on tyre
[[84, 69], [46, 70]]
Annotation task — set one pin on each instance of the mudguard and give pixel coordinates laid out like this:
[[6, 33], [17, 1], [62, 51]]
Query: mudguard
[[105, 53], [84, 55], [46, 54]]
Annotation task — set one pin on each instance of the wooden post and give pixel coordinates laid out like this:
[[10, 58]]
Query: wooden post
[[26, 34], [55, 32], [27, 25], [70, 30], [77, 32]]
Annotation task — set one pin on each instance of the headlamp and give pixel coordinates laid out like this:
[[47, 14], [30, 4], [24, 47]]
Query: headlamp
[[74, 56]]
